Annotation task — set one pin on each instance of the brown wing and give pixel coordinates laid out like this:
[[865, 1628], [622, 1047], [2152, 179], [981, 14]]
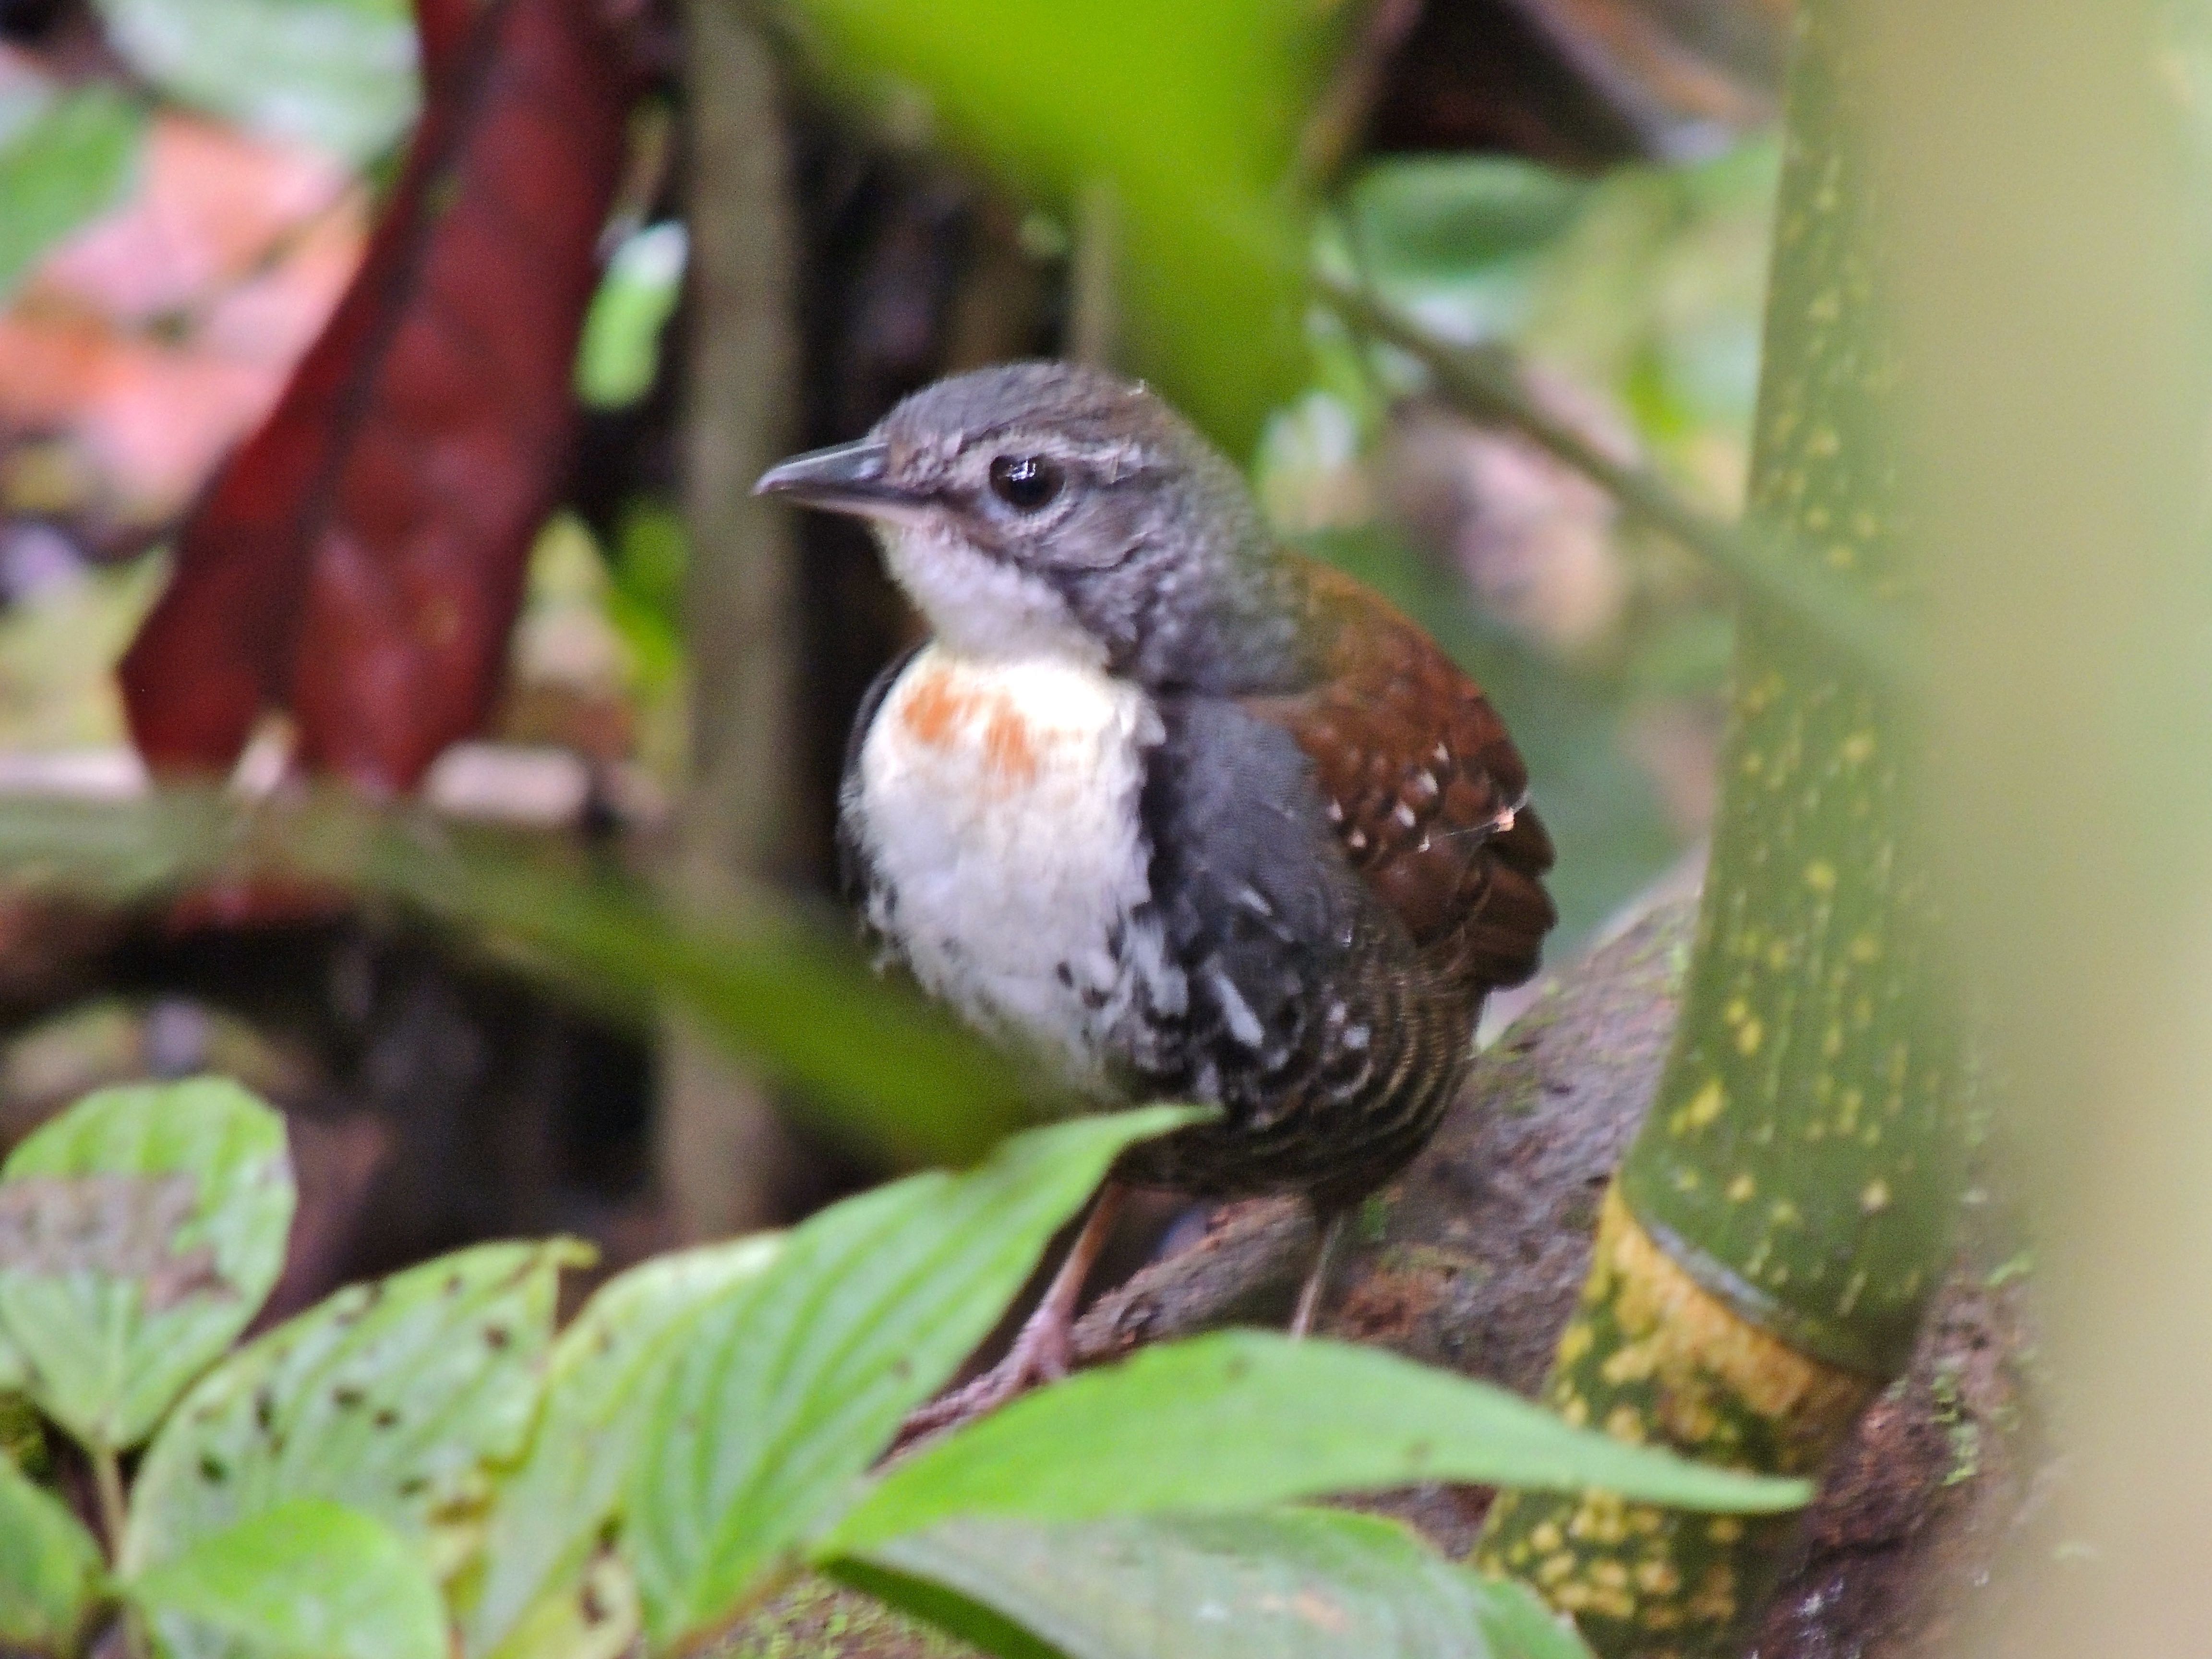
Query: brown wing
[[1427, 794]]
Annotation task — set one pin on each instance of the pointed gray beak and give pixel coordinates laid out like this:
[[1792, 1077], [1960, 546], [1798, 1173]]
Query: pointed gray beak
[[844, 479]]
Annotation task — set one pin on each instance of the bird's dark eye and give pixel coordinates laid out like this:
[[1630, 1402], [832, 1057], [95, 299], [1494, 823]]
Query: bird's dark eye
[[1025, 482]]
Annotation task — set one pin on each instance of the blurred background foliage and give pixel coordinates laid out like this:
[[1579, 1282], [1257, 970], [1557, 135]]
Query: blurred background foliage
[[186, 187]]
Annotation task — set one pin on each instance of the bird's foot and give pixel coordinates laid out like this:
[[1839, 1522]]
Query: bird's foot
[[1329, 1223], [1042, 1349], [1040, 1354]]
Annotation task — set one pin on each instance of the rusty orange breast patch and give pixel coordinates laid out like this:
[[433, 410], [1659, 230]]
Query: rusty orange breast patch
[[939, 713]]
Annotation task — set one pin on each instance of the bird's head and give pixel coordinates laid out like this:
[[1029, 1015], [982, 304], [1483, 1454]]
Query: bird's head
[[1040, 508]]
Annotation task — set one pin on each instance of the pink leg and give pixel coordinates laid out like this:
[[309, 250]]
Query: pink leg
[[1041, 1350], [1331, 1225]]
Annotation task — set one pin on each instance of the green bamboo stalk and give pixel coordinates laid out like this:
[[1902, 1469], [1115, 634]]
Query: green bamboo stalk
[[1776, 1228]]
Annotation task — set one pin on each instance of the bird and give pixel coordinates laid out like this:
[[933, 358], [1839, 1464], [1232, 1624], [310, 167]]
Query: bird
[[1172, 810]]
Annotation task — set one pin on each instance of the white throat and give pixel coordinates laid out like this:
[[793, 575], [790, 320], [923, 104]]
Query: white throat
[[979, 606]]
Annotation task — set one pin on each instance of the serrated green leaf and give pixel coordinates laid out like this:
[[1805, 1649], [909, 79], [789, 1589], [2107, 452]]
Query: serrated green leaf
[[1282, 1585], [306, 1579], [139, 1232], [1244, 1419], [789, 1387], [73, 159], [338, 74], [391, 1398], [547, 1515], [50, 1567]]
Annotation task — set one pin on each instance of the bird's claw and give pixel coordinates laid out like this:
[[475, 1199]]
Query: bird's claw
[[1040, 1354]]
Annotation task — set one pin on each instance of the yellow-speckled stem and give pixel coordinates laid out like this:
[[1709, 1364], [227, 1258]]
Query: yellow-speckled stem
[[1653, 1356], [1785, 1211]]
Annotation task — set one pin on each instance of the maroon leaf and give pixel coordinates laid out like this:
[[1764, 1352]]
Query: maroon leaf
[[359, 559]]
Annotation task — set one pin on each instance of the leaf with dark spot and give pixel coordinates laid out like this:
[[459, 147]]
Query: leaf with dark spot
[[553, 1514], [338, 1407], [139, 1231]]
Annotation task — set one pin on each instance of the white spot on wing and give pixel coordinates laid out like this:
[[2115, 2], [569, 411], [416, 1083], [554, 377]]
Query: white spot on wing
[[1243, 1024], [1254, 901]]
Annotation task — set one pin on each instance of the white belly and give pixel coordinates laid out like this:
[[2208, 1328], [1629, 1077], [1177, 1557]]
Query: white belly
[[998, 804]]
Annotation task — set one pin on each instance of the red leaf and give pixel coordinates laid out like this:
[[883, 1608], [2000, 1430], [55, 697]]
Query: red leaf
[[361, 558]]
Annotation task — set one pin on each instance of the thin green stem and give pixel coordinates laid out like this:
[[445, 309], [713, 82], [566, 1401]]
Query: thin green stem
[[1486, 381], [107, 1483]]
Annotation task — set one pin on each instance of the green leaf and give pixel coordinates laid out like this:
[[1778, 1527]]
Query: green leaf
[[619, 354], [1462, 238], [597, 1618], [1442, 215], [338, 74], [389, 1397], [1288, 1585], [784, 987], [1190, 113], [1244, 1419], [790, 1387], [139, 1232], [548, 1515], [50, 1567], [73, 159], [1520, 1623], [305, 1580]]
